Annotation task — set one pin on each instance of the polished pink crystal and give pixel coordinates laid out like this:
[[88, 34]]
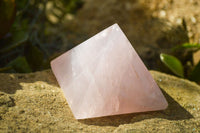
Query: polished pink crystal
[[104, 76]]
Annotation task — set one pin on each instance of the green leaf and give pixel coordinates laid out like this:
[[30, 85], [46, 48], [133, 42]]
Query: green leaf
[[187, 46], [20, 65], [195, 74], [20, 36], [34, 57], [7, 15], [190, 45], [18, 39], [4, 69], [173, 64], [21, 4]]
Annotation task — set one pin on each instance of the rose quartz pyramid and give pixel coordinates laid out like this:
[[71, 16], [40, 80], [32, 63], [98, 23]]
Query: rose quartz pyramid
[[104, 76]]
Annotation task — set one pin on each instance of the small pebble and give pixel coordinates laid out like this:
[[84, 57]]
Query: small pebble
[[162, 14], [179, 21], [193, 19]]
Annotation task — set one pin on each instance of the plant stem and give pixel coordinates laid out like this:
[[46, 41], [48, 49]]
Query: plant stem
[[5, 69]]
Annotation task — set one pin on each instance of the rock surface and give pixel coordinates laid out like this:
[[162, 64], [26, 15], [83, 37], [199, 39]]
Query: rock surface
[[34, 102]]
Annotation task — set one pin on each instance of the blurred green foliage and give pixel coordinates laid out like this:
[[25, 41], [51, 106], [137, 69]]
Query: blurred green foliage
[[192, 71], [24, 36], [7, 15]]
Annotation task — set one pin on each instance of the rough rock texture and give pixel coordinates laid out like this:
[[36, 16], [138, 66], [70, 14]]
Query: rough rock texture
[[34, 102]]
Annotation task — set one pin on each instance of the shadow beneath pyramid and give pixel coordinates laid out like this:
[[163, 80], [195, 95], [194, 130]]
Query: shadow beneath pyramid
[[174, 112]]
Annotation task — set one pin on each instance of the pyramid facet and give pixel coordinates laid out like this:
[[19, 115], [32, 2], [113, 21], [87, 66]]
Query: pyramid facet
[[104, 76]]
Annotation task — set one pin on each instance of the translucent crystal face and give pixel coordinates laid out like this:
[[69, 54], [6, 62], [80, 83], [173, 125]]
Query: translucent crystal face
[[104, 76]]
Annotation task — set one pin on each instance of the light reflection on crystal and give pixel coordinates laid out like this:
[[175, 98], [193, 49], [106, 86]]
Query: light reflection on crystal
[[104, 76]]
